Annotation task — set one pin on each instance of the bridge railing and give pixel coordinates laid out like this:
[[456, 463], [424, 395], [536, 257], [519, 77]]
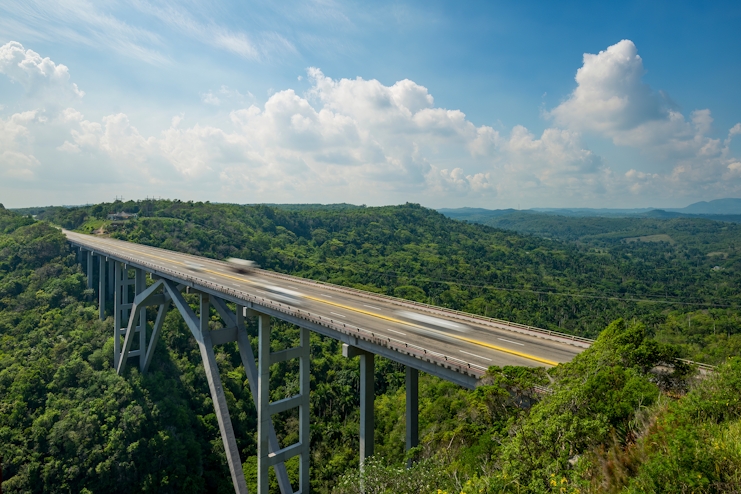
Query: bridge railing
[[585, 342]]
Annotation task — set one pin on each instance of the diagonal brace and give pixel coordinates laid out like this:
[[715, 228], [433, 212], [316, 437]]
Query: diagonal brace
[[250, 369], [140, 302]]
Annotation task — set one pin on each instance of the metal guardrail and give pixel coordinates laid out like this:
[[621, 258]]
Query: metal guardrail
[[439, 359], [700, 365], [554, 335]]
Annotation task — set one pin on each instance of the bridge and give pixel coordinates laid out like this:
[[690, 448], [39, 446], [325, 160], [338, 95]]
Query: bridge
[[452, 345]]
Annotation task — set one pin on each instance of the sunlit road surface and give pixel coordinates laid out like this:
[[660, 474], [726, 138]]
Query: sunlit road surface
[[476, 341]]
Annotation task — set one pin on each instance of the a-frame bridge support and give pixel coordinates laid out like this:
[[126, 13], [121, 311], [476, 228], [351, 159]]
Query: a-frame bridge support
[[131, 299]]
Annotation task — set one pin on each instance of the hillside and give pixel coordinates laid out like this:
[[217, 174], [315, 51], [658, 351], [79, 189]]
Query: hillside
[[68, 423]]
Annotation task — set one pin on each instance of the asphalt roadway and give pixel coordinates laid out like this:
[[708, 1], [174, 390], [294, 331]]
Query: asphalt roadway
[[472, 340]]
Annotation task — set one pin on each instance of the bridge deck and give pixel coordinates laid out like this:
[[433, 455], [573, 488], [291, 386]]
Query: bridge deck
[[387, 326]]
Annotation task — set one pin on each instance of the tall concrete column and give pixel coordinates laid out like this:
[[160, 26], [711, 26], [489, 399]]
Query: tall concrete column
[[111, 280], [101, 287], [367, 398], [118, 316], [412, 406], [303, 411], [264, 420], [89, 269]]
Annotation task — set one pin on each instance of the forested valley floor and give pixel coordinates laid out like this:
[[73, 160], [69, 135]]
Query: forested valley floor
[[68, 423]]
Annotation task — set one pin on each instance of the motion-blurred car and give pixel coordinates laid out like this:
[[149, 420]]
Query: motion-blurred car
[[430, 325], [193, 266], [284, 295], [242, 266]]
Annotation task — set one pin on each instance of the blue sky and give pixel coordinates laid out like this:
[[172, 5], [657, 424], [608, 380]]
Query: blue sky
[[488, 104]]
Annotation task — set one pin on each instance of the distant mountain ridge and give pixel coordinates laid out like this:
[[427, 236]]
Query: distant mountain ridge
[[718, 206], [728, 209]]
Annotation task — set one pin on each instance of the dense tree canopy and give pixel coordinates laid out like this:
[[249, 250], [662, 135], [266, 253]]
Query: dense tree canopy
[[69, 423]]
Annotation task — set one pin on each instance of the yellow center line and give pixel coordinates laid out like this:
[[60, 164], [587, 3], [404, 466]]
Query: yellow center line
[[462, 338], [367, 313]]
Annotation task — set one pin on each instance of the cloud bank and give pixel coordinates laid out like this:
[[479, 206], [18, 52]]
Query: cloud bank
[[361, 141]]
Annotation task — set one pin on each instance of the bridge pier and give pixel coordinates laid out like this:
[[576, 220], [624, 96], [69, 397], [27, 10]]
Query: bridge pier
[[136, 310], [111, 281], [367, 399], [101, 287], [121, 308], [412, 410], [89, 256], [269, 455]]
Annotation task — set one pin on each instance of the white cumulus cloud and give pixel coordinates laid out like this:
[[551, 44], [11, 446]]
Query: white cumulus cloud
[[17, 160], [359, 140], [612, 100], [350, 139], [34, 72]]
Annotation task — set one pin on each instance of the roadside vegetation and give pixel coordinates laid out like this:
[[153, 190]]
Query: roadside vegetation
[[610, 423]]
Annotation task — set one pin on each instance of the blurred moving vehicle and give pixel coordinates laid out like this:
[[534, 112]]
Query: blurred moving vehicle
[[284, 295], [431, 321], [242, 266], [193, 266]]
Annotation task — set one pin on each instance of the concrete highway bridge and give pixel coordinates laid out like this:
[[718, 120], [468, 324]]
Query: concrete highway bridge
[[452, 345]]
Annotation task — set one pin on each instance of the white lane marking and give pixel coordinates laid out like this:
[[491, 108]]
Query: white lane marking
[[477, 356], [365, 305], [510, 341], [397, 332], [325, 295], [336, 314]]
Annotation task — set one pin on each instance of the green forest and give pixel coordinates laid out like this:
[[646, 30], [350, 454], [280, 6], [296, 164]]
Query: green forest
[[610, 423]]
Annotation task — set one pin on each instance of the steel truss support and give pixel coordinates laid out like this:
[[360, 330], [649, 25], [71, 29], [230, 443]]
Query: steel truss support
[[121, 307], [236, 329], [138, 322], [199, 328], [265, 409]]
